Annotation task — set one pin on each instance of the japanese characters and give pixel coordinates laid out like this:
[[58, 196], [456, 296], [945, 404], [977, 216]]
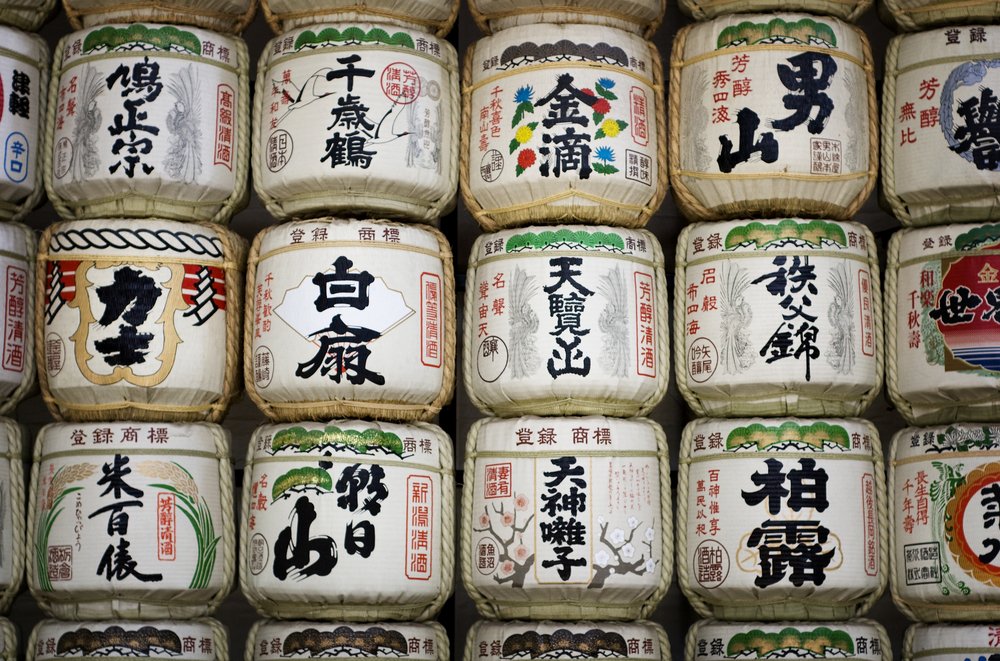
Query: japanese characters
[[24, 61], [860, 639], [511, 640], [17, 277], [192, 640], [273, 640]]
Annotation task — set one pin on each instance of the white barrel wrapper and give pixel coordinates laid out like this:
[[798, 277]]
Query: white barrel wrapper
[[148, 120], [130, 519], [430, 15], [938, 84], [950, 642], [117, 640], [17, 313], [26, 14], [639, 16], [273, 640], [865, 640], [848, 10], [781, 518], [778, 317], [348, 519], [230, 16], [567, 320], [12, 505], [583, 139], [911, 15], [24, 81], [945, 488], [943, 290], [774, 116], [357, 118], [497, 641], [567, 518], [350, 318], [138, 319]]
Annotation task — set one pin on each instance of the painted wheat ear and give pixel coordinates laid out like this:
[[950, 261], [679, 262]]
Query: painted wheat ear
[[68, 475], [172, 474]]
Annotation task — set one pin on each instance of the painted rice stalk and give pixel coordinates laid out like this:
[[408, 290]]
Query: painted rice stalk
[[50, 510]]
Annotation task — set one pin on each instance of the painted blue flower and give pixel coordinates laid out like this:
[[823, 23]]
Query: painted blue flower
[[606, 83], [606, 154], [524, 94]]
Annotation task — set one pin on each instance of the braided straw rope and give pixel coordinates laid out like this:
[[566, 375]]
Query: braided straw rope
[[104, 606], [19, 210], [911, 632], [941, 12], [15, 460], [888, 196], [28, 376], [604, 211], [694, 208], [221, 638], [234, 256], [344, 11], [610, 405], [846, 10], [777, 403], [582, 608], [569, 14], [9, 635], [250, 647], [332, 195], [129, 203], [813, 607], [897, 599], [188, 12], [351, 408], [269, 606], [26, 15]]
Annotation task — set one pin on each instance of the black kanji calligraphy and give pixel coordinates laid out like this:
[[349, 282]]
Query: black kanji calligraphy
[[810, 74], [294, 549], [980, 135], [139, 85], [129, 299], [356, 480], [956, 307], [350, 143], [567, 146], [748, 121], [567, 304]]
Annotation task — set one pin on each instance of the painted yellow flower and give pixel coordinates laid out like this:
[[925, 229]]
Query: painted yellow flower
[[610, 128], [523, 134]]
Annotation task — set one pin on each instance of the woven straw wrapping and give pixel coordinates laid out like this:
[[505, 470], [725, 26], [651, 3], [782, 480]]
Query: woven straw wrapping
[[11, 518], [743, 370], [416, 384], [8, 640], [412, 176], [839, 596], [17, 259], [349, 590], [86, 635], [938, 478], [829, 640], [525, 64], [192, 464], [84, 178], [316, 637], [639, 16], [436, 16], [826, 180], [515, 378], [939, 642], [26, 14], [536, 638], [629, 589], [913, 15], [847, 10], [227, 16], [940, 372], [929, 175]]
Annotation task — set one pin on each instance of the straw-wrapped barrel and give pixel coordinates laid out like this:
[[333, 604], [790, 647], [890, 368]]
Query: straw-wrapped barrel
[[273, 640], [202, 639], [229, 16], [639, 16], [436, 16], [642, 640], [865, 640]]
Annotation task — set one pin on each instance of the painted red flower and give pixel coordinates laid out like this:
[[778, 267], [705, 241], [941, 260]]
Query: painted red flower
[[526, 158], [602, 107], [588, 91]]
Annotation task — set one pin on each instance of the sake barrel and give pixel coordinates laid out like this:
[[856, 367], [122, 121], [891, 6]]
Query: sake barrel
[[639, 16], [273, 640], [435, 16], [562, 123], [856, 639], [567, 518], [17, 277], [201, 639], [567, 320], [350, 318], [230, 16], [357, 119], [567, 640], [135, 320], [762, 531], [944, 483], [846, 10], [772, 115], [942, 289], [949, 642], [148, 121], [348, 520], [131, 519], [935, 166], [11, 518], [24, 79], [26, 14], [778, 317], [912, 15]]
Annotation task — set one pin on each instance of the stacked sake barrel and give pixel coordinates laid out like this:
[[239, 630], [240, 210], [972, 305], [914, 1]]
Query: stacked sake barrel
[[777, 330], [567, 536], [348, 507], [939, 179], [138, 293]]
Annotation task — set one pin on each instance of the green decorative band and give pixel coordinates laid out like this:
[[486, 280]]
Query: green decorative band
[[819, 642], [353, 35], [816, 434], [812, 231], [583, 238], [360, 442], [164, 38], [804, 31]]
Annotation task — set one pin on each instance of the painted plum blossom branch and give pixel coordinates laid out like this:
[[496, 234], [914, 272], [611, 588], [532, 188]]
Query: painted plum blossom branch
[[620, 559], [515, 561]]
